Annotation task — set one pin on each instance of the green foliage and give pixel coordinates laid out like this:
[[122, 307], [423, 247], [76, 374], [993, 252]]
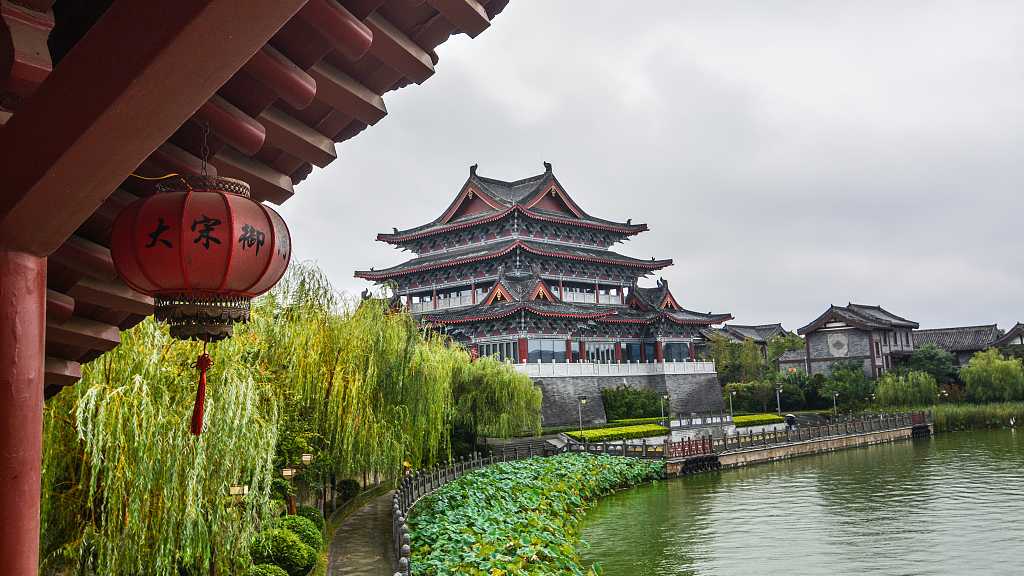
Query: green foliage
[[737, 361], [778, 344], [933, 360], [992, 378], [634, 421], [848, 377], [951, 417], [348, 489], [757, 420], [623, 402], [621, 433], [302, 527], [314, 516], [494, 399], [283, 548], [1012, 351], [906, 388], [517, 517], [264, 570]]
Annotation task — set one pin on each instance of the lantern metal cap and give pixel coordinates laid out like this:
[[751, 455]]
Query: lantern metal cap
[[200, 182]]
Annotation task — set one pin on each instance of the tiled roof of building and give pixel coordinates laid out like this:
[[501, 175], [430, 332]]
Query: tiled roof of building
[[1017, 330], [960, 338], [510, 195], [860, 316], [491, 250], [760, 333], [792, 356]]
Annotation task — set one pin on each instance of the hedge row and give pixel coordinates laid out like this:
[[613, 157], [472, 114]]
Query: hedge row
[[517, 518], [623, 433], [757, 420], [634, 421]]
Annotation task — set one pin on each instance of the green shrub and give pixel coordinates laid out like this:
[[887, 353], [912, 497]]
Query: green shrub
[[621, 433], [302, 527], [348, 489], [906, 388], [264, 570], [624, 402], [950, 417], [313, 515], [517, 517], [635, 421], [992, 378], [757, 420], [283, 548]]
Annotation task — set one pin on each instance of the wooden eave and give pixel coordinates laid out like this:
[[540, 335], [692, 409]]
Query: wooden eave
[[128, 89]]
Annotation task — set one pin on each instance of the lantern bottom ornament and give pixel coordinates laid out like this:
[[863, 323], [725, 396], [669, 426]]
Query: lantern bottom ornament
[[202, 248]]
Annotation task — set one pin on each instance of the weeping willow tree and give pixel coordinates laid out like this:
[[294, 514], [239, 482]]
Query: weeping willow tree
[[127, 489]]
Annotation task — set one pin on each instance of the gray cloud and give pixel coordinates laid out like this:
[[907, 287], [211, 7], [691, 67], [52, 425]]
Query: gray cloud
[[787, 155]]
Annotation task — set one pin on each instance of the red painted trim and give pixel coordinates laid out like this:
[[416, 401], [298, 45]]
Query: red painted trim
[[515, 245], [599, 316], [381, 237], [462, 198]]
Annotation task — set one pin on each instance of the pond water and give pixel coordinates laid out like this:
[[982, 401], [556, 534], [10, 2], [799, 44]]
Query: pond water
[[948, 504]]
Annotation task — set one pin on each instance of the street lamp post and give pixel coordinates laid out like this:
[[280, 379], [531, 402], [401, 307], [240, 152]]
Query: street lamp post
[[289, 475], [732, 392], [582, 400], [664, 396], [778, 398], [835, 410]]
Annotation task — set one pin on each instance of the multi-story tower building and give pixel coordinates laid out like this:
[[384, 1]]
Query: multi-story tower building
[[518, 270]]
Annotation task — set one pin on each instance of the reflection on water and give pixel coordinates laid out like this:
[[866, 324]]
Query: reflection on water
[[951, 504]]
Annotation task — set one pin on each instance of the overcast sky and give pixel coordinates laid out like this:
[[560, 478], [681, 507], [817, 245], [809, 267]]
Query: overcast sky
[[786, 155]]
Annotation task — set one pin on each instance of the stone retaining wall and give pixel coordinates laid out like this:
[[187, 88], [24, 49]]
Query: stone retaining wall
[[816, 446]]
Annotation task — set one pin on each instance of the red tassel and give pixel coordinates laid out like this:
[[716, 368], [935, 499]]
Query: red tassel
[[203, 363]]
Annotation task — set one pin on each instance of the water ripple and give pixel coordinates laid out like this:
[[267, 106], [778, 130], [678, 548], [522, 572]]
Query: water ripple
[[952, 504]]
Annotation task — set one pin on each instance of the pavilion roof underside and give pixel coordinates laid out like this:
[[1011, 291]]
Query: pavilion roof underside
[[479, 252], [316, 82], [601, 313]]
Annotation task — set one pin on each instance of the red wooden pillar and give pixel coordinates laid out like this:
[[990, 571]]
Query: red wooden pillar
[[659, 356], [472, 290], [643, 352], [568, 351], [524, 351], [691, 352], [22, 345], [433, 298], [474, 351], [583, 351], [561, 294], [618, 352]]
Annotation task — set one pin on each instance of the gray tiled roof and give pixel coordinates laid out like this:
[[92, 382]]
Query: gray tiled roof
[[869, 317], [482, 251], [1017, 330], [793, 356], [960, 338]]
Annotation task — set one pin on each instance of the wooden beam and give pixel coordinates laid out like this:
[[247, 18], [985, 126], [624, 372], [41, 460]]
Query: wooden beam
[[282, 76], [85, 256], [24, 55], [398, 51], [113, 294], [264, 182], [341, 91], [297, 139], [232, 125], [84, 333], [361, 8], [59, 307], [468, 15], [142, 70], [60, 372], [344, 31]]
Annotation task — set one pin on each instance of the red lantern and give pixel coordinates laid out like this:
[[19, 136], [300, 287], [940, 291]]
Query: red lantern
[[202, 249]]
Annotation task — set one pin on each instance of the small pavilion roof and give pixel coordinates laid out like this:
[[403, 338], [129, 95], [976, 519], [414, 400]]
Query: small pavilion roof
[[505, 198], [496, 249], [960, 338], [1017, 330], [860, 316]]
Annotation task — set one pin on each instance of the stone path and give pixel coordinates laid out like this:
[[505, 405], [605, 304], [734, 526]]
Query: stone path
[[361, 546]]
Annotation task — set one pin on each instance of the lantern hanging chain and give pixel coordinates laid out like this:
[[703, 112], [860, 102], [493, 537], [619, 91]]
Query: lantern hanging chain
[[205, 150]]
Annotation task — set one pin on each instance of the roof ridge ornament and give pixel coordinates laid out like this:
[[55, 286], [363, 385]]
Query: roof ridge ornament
[[547, 167], [472, 170]]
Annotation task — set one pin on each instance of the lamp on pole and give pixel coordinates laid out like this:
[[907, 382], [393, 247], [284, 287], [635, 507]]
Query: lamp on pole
[[835, 410], [289, 475], [664, 396], [778, 398], [732, 392], [582, 400]]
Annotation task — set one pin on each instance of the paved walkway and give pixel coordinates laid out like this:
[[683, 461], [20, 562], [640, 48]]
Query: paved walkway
[[361, 546]]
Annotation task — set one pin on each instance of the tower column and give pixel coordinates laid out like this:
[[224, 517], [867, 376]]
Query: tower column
[[618, 352], [658, 354]]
